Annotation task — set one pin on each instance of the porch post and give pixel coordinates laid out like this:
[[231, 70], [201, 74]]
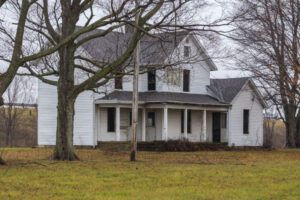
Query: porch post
[[118, 131], [143, 124], [204, 129], [185, 123], [227, 127], [165, 125]]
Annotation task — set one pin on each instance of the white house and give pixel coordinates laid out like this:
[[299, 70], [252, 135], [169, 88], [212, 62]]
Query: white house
[[175, 103]]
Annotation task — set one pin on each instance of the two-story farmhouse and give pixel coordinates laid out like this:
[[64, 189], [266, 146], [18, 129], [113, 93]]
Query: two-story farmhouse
[[175, 102]]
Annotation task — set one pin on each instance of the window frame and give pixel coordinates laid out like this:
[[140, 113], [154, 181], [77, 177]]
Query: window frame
[[246, 121], [187, 51], [151, 80], [153, 118], [119, 82], [186, 80], [111, 115]]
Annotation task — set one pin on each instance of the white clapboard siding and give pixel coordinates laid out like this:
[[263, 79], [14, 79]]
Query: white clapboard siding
[[47, 115], [246, 99]]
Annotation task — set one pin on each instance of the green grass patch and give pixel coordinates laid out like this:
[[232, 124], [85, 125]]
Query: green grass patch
[[29, 174]]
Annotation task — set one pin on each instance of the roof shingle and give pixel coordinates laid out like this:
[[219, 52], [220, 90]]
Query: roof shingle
[[165, 97]]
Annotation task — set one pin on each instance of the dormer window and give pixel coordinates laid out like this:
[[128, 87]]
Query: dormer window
[[187, 51], [119, 83]]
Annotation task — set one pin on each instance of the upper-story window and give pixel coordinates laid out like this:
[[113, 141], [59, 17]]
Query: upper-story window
[[186, 80], [173, 76], [187, 51], [152, 79], [119, 82]]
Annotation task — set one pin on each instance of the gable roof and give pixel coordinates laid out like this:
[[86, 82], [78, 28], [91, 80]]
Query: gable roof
[[155, 49], [165, 97], [227, 89]]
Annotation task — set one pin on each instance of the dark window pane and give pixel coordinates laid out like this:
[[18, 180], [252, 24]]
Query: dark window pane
[[151, 119], [182, 121], [187, 51], [111, 116], [246, 122], [186, 80], [189, 121], [119, 83], [130, 118], [152, 80]]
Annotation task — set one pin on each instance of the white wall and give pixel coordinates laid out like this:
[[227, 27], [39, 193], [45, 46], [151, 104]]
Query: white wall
[[83, 119], [245, 100]]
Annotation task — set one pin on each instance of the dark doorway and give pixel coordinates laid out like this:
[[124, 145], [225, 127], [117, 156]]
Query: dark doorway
[[216, 127]]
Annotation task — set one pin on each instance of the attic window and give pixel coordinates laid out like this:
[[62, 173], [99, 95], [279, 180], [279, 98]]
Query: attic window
[[187, 40], [187, 51]]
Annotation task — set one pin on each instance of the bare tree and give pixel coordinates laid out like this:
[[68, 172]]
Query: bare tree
[[56, 23], [70, 60], [17, 95], [269, 36]]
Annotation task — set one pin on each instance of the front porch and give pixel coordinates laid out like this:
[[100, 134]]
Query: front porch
[[162, 122]]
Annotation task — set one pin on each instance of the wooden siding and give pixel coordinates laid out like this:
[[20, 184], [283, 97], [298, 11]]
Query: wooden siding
[[246, 99]]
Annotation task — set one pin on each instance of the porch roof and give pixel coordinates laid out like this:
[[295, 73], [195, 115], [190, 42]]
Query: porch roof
[[162, 97]]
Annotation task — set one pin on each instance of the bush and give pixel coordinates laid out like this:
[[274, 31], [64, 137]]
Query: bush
[[179, 145]]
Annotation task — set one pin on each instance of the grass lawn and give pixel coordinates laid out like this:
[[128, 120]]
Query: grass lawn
[[100, 174]]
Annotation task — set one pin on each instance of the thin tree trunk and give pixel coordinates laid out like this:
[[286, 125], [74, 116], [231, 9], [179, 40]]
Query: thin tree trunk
[[135, 100]]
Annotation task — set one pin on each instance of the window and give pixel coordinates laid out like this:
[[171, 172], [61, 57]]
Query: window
[[119, 82], [151, 119], [186, 80], [151, 80], [111, 116], [182, 121], [189, 121], [173, 76], [246, 122], [187, 51], [130, 118]]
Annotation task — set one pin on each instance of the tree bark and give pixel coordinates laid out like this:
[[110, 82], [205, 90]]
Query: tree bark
[[64, 149], [291, 124]]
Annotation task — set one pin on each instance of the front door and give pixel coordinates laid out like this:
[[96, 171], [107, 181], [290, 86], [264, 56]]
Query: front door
[[216, 127]]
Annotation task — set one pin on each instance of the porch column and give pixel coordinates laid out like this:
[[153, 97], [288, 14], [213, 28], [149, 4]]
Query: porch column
[[165, 124], [204, 129], [185, 123], [143, 124], [227, 127], [118, 131]]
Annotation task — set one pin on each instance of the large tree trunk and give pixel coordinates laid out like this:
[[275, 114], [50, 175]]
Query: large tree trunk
[[291, 125], [64, 149], [298, 132]]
